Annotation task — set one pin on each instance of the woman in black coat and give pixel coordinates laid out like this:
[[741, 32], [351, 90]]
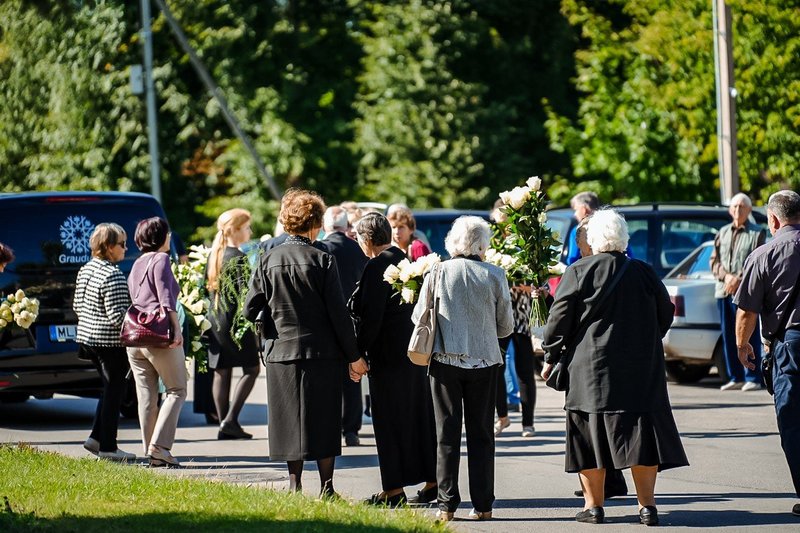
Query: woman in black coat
[[618, 410], [402, 410], [224, 353], [296, 289]]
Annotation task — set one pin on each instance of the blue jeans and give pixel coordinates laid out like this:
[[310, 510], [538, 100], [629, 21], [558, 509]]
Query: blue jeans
[[736, 371], [786, 380]]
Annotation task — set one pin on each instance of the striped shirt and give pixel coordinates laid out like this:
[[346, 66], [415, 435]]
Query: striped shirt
[[101, 299]]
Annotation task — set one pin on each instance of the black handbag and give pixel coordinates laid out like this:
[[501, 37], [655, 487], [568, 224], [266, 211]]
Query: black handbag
[[559, 374]]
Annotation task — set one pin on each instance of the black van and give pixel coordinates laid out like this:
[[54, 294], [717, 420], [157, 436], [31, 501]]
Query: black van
[[49, 233]]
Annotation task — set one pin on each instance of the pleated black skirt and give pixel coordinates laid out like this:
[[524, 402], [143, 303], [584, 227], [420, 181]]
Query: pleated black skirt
[[622, 440], [305, 409]]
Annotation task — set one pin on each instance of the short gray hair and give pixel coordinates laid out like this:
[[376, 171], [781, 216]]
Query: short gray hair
[[740, 196], [374, 229], [335, 217], [470, 235], [587, 198], [607, 231], [785, 205]]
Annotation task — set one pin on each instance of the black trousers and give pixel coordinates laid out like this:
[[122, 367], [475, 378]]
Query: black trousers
[[112, 365], [468, 395], [526, 375], [351, 403]]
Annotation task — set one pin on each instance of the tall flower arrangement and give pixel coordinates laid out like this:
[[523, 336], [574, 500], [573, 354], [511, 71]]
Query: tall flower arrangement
[[524, 245], [193, 297]]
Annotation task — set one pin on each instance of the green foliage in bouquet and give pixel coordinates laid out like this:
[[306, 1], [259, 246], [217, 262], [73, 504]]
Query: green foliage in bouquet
[[530, 247], [233, 284], [193, 296]]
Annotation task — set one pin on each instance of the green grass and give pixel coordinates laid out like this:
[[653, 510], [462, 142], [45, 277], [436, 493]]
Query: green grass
[[48, 492]]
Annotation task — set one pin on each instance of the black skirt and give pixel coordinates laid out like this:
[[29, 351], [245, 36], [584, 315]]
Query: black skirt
[[305, 409], [622, 440]]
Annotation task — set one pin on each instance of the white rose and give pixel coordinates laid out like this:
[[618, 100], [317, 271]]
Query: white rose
[[3, 323], [19, 295], [4, 306], [534, 183], [205, 325], [16, 308], [10, 299], [25, 302], [519, 195], [391, 274], [542, 217], [197, 307], [7, 314], [198, 319], [506, 261], [196, 346], [24, 323], [407, 295]]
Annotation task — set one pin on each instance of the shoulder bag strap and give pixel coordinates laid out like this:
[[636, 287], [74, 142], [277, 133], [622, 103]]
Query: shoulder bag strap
[[144, 277], [434, 300]]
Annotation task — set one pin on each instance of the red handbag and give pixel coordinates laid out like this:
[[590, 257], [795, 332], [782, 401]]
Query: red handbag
[[146, 329]]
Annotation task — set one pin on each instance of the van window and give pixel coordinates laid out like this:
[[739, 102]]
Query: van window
[[638, 238]]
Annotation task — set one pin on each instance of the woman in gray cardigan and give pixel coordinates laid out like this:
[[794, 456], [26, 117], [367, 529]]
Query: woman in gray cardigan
[[474, 310]]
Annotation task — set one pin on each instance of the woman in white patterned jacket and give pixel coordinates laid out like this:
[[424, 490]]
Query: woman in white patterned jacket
[[101, 299]]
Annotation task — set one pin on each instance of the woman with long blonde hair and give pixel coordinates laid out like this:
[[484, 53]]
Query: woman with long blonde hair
[[233, 230]]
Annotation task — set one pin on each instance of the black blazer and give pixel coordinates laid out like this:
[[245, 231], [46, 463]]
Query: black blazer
[[617, 365], [383, 321], [297, 286], [350, 260]]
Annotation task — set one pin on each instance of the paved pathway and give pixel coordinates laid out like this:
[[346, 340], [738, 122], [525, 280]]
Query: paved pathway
[[738, 478]]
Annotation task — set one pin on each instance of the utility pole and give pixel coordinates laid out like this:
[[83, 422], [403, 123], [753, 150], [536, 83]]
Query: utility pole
[[726, 101], [152, 126]]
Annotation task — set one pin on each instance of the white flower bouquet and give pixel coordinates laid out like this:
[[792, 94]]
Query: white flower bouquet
[[523, 243], [194, 299], [406, 277], [18, 309]]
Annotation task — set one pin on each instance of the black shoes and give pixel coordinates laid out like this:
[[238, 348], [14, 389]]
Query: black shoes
[[381, 499], [232, 431], [648, 515], [424, 496], [595, 515], [351, 439], [610, 493]]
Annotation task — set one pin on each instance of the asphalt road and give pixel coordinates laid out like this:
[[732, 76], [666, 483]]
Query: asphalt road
[[738, 477]]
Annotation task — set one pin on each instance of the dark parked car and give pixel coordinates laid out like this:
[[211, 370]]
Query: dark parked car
[[49, 232]]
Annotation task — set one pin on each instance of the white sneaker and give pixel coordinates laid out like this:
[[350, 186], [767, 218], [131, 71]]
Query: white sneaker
[[751, 385], [500, 425], [92, 446], [732, 385], [475, 515], [118, 455], [528, 431]]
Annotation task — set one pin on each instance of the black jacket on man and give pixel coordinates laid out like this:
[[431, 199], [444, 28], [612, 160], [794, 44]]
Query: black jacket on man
[[350, 260]]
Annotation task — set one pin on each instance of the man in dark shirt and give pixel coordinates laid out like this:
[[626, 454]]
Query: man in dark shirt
[[350, 261], [770, 276], [733, 244]]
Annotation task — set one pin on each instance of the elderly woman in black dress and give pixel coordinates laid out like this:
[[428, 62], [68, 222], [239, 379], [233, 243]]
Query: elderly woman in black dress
[[225, 354], [308, 334], [402, 412], [618, 410]]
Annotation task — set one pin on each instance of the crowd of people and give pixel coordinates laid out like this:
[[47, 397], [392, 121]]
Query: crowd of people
[[328, 318]]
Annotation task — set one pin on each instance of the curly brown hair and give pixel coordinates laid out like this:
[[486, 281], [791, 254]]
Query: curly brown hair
[[301, 211]]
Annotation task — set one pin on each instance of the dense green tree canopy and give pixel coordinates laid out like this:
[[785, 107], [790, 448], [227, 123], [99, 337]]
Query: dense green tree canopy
[[431, 102]]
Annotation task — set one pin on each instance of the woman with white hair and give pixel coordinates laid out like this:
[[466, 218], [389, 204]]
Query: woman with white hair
[[474, 310], [606, 325]]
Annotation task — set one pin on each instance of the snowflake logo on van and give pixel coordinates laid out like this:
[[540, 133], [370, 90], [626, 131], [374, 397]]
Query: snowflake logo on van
[[75, 232]]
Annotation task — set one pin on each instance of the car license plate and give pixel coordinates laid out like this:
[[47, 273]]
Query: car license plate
[[63, 333]]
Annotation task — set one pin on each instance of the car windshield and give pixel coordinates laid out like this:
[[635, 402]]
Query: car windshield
[[696, 266]]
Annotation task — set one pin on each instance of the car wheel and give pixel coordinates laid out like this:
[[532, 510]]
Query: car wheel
[[13, 397], [680, 372], [719, 362], [130, 403]]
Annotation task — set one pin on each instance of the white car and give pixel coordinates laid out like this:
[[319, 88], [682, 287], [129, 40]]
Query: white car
[[693, 343]]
